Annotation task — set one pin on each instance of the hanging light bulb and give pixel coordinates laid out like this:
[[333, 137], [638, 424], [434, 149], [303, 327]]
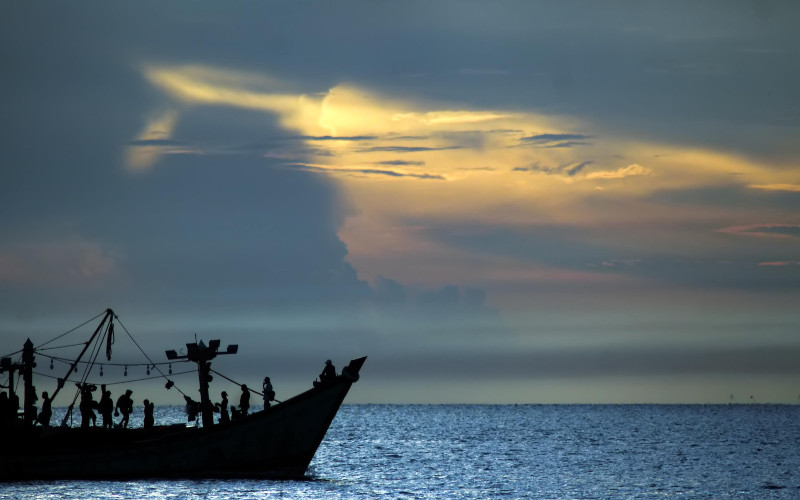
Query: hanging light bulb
[[101, 370], [126, 371], [51, 363], [170, 368], [148, 369]]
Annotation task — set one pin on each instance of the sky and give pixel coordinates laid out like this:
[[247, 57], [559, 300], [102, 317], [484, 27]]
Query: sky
[[497, 202]]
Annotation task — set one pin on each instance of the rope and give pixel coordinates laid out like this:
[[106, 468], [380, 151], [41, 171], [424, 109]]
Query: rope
[[237, 383], [72, 330], [146, 356], [66, 360], [57, 347], [121, 381]]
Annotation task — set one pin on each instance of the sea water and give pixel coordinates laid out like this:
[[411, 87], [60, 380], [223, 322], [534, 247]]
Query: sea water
[[512, 451]]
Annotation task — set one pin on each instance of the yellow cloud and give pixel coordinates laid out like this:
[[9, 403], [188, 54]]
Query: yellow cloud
[[159, 127], [451, 117], [776, 187], [622, 172], [401, 149]]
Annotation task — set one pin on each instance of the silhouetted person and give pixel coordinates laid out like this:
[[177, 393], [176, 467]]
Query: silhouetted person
[[106, 408], [192, 408], [148, 414], [268, 393], [87, 405], [328, 373], [222, 409], [125, 407], [47, 410], [244, 400]]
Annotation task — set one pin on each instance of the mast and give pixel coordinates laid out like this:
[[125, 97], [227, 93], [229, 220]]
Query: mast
[[29, 406], [108, 317], [202, 355]]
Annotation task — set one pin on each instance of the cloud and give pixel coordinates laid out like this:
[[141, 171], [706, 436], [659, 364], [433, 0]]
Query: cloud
[[405, 149], [542, 138], [389, 292], [566, 144], [155, 142], [765, 230], [795, 188], [780, 263], [622, 172], [452, 298], [451, 117], [61, 263], [342, 138], [368, 171], [568, 169], [578, 170], [400, 163], [147, 148]]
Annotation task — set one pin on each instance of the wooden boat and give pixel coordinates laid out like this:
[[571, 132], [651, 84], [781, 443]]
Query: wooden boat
[[279, 441]]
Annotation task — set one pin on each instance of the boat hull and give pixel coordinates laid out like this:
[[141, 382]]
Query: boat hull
[[277, 442]]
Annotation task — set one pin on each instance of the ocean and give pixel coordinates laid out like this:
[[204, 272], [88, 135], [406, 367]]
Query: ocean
[[512, 451]]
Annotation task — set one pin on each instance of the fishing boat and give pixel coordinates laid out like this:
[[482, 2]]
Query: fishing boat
[[276, 442]]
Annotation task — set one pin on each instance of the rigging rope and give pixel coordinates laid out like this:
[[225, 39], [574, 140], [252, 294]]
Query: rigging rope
[[72, 330], [235, 382], [146, 356], [36, 350], [121, 381], [66, 360]]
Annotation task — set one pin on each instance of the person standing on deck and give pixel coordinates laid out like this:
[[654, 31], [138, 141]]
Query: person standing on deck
[[222, 408], [87, 405], [268, 393], [47, 411], [125, 406], [106, 408], [148, 414], [244, 400]]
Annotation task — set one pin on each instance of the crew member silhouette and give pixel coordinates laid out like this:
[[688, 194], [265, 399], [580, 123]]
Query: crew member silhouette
[[328, 373], [222, 409], [87, 405], [125, 407], [106, 408], [244, 400], [47, 410], [192, 408], [268, 393], [148, 414]]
